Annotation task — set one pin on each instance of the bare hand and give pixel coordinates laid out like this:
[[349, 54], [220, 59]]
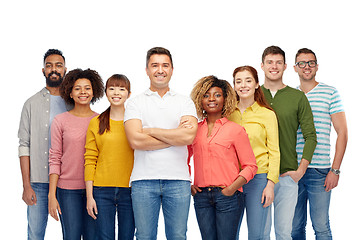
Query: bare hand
[[228, 191], [195, 189], [331, 181], [268, 195], [29, 196], [91, 207], [295, 175], [54, 208], [185, 124]]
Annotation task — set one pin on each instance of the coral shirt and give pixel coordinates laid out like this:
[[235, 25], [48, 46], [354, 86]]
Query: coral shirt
[[223, 156]]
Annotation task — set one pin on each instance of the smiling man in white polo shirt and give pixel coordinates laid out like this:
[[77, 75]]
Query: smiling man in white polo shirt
[[159, 124]]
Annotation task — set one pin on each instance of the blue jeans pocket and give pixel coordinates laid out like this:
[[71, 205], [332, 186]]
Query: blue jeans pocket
[[322, 171]]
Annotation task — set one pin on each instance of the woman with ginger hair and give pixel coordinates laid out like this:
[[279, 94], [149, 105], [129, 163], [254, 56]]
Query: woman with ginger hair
[[260, 123]]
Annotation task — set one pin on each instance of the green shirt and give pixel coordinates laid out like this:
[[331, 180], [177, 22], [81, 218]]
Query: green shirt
[[293, 110]]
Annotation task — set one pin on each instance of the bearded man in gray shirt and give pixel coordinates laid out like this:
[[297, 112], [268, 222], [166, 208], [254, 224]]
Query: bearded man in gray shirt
[[34, 142]]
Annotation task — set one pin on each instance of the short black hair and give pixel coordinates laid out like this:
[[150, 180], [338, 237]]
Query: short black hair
[[52, 52]]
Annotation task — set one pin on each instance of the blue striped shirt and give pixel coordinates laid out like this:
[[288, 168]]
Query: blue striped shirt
[[324, 101]]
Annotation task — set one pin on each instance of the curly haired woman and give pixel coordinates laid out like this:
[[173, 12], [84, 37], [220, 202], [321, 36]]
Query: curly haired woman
[[67, 193], [223, 160]]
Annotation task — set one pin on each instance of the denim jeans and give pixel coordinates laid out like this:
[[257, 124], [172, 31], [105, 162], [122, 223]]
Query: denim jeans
[[75, 221], [286, 194], [256, 214], [174, 197], [109, 201], [37, 215], [218, 215], [311, 188]]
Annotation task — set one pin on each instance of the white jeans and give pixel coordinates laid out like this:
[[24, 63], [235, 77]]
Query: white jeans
[[286, 195]]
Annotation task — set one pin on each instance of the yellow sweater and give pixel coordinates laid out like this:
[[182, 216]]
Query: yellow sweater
[[108, 158], [261, 126]]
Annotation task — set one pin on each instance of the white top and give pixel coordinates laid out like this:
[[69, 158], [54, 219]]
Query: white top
[[324, 101], [160, 112]]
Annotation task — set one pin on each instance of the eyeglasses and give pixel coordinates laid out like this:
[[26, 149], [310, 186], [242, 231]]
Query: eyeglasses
[[302, 64]]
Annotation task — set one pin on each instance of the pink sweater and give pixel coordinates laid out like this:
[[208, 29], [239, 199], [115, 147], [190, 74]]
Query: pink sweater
[[66, 155]]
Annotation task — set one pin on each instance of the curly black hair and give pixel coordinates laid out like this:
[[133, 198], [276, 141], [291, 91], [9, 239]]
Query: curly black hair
[[70, 79]]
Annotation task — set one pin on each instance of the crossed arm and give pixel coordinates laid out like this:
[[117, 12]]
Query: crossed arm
[[158, 138]]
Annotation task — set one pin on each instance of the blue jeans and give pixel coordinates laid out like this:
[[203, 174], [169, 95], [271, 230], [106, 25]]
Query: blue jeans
[[256, 214], [109, 201], [311, 188], [75, 221], [174, 197], [37, 215], [286, 194], [218, 215]]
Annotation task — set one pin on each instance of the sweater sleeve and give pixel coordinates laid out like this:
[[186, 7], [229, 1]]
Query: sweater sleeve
[[306, 120], [245, 155], [56, 150], [91, 150], [272, 143]]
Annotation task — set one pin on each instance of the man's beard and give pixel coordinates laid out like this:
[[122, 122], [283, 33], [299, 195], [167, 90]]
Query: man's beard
[[53, 83]]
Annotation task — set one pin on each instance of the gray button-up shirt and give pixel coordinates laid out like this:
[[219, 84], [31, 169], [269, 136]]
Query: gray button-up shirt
[[34, 135]]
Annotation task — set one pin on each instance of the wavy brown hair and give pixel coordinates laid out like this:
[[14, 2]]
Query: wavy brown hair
[[203, 85], [116, 80], [258, 95]]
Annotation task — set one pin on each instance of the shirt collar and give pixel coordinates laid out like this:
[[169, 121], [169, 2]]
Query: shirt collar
[[149, 92], [45, 91], [253, 107], [222, 121]]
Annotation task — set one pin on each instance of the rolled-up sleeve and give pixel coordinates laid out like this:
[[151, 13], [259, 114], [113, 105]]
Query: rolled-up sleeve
[[24, 132], [272, 143], [245, 155]]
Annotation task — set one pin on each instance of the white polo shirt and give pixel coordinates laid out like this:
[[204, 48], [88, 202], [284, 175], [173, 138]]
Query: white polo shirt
[[160, 112]]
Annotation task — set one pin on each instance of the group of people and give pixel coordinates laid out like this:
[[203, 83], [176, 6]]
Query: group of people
[[253, 147]]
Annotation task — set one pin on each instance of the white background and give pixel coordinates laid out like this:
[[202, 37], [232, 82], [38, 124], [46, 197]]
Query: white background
[[204, 37]]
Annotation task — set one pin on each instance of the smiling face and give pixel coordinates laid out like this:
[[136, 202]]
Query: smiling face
[[245, 85], [273, 67], [307, 73], [82, 91], [159, 70], [117, 95], [54, 70], [213, 102]]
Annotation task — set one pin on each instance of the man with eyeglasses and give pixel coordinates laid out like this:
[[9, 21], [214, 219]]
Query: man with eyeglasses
[[293, 110], [321, 176]]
